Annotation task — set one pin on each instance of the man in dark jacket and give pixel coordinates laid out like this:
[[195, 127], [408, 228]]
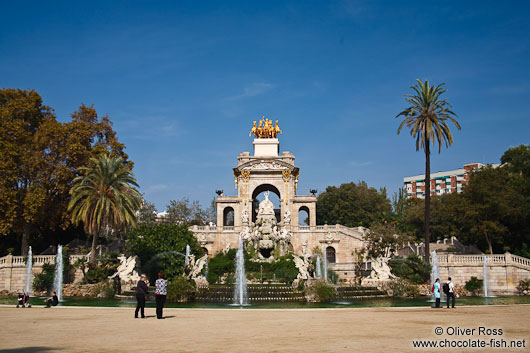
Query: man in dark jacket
[[52, 301], [141, 295]]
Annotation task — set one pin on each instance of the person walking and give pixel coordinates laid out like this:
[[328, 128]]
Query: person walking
[[436, 289], [160, 294], [141, 295], [449, 290]]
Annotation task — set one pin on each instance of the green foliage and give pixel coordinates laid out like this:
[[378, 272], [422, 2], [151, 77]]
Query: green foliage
[[323, 291], [221, 264], [493, 212], [103, 290], [283, 270], [158, 246], [412, 269], [180, 289], [333, 276], [426, 117], [474, 285], [352, 205], [147, 212], [517, 160], [524, 285], [104, 196], [106, 266], [43, 154], [400, 287], [182, 211], [44, 281]]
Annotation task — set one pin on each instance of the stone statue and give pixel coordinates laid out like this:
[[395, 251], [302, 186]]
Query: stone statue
[[302, 266], [126, 271], [244, 217], [380, 269], [287, 218], [195, 267]]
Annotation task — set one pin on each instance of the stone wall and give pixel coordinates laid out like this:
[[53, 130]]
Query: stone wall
[[505, 271], [13, 270]]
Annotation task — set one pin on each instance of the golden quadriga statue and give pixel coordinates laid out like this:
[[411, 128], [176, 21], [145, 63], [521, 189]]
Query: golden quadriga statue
[[265, 129]]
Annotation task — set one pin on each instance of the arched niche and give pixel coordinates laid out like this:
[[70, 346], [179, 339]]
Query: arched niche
[[228, 216], [255, 201], [303, 216]]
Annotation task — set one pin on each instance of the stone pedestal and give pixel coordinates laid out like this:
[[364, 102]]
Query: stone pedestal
[[269, 147]]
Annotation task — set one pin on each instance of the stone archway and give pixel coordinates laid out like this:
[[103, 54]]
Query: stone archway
[[228, 216], [303, 216], [255, 203]]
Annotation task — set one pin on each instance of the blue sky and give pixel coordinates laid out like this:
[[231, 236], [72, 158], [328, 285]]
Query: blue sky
[[183, 81]]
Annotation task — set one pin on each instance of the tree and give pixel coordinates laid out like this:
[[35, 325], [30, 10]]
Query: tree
[[40, 159], [517, 160], [147, 212], [427, 118], [160, 247], [496, 209], [22, 192], [381, 240], [352, 205], [104, 197], [182, 211]]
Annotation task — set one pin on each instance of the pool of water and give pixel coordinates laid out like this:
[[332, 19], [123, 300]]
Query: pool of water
[[376, 302]]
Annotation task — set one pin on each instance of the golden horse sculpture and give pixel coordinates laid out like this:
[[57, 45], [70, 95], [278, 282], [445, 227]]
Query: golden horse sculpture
[[265, 129]]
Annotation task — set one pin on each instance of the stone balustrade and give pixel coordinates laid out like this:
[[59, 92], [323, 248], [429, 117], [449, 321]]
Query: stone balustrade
[[13, 269], [505, 270]]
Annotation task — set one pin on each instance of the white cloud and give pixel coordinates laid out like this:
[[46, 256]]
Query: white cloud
[[252, 90]]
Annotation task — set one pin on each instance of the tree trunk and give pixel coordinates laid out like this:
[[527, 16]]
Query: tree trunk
[[25, 239], [427, 200], [489, 243], [93, 254]]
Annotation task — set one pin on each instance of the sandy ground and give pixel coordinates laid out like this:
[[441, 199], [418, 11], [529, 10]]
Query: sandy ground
[[69, 329]]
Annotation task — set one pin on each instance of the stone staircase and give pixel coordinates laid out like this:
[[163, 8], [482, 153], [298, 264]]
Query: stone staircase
[[351, 293], [257, 293]]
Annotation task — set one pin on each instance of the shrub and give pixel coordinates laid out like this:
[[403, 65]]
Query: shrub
[[322, 291], [401, 288], [333, 277], [106, 267], [524, 285], [221, 264], [474, 285], [412, 269], [44, 281], [158, 246], [180, 290], [104, 290]]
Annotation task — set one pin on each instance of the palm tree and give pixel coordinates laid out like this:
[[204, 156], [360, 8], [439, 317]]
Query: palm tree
[[427, 118], [104, 197]]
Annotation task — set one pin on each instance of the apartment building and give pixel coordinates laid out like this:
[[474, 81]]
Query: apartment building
[[441, 182]]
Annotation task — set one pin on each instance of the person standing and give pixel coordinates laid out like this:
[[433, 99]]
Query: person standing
[[141, 296], [160, 294], [437, 293], [449, 289]]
